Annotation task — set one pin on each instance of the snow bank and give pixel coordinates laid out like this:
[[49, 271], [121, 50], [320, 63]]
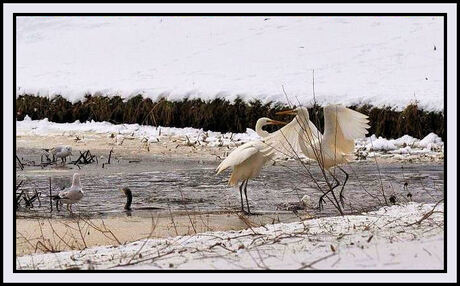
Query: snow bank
[[378, 60], [430, 142], [150, 134], [404, 145], [389, 238], [380, 143]]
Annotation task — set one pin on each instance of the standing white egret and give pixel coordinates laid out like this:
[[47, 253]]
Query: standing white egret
[[71, 195], [248, 159], [333, 148]]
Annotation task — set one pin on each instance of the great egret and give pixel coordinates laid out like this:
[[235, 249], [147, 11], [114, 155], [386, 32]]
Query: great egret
[[248, 159], [333, 148], [71, 195]]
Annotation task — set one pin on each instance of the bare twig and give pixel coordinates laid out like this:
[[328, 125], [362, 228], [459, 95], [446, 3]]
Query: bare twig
[[20, 163], [310, 265], [427, 215]]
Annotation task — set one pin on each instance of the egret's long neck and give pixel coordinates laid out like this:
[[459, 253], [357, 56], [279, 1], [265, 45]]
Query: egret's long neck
[[262, 133]]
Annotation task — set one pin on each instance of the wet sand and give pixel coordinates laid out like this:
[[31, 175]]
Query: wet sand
[[75, 232]]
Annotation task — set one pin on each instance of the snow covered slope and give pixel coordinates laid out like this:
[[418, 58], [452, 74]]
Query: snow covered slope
[[377, 60]]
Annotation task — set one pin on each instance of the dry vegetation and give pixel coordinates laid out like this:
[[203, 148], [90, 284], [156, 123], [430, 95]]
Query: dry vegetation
[[216, 115]]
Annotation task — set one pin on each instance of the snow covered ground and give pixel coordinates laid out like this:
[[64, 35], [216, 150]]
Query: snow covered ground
[[146, 133], [378, 60], [366, 147], [399, 148], [406, 236]]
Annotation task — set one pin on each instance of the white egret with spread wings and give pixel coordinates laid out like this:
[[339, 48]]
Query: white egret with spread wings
[[331, 149]]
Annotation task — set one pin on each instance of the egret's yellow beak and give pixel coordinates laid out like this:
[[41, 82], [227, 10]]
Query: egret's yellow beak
[[276, 122], [292, 111]]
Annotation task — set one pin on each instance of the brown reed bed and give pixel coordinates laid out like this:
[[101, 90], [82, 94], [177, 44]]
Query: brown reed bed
[[217, 114]]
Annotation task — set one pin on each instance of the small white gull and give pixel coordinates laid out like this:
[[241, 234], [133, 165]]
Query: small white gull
[[71, 195]]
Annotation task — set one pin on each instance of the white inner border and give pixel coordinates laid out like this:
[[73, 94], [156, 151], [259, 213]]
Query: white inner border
[[9, 9]]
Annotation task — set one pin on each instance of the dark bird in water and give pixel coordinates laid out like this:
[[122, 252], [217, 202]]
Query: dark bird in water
[[129, 200]]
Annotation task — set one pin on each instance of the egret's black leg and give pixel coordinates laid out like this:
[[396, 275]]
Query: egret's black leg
[[321, 199], [241, 196], [343, 186], [246, 195]]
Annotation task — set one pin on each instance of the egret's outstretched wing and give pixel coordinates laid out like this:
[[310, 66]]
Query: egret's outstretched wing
[[315, 133], [241, 154], [286, 140], [342, 126]]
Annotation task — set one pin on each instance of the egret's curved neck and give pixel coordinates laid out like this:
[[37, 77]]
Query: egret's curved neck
[[262, 133]]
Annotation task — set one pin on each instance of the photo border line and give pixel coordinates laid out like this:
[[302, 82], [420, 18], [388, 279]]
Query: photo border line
[[261, 14]]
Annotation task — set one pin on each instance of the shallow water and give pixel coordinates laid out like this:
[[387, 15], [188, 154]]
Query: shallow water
[[178, 184]]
